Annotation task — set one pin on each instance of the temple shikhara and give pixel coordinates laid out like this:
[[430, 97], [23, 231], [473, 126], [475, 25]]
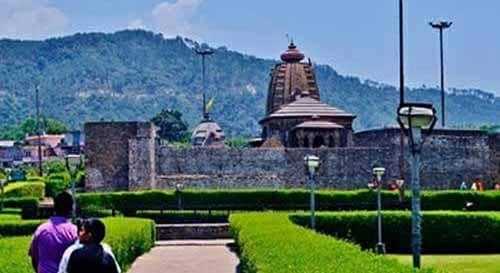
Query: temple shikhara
[[295, 115]]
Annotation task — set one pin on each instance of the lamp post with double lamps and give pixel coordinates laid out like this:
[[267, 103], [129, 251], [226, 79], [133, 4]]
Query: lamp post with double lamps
[[413, 119], [311, 163], [73, 164], [379, 171]]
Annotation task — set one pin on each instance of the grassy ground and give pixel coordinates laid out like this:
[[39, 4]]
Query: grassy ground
[[458, 263]]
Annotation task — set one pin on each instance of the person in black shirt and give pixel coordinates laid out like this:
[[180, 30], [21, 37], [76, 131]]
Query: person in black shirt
[[92, 256]]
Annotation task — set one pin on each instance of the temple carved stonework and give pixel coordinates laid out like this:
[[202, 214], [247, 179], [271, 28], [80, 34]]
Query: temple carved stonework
[[294, 113]]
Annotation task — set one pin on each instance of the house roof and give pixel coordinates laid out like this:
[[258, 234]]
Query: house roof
[[7, 143]]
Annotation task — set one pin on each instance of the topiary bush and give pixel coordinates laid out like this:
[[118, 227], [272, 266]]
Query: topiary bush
[[57, 183], [25, 189], [18, 227], [271, 243], [442, 231]]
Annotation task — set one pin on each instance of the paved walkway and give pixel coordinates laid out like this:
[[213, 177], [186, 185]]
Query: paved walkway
[[190, 256]]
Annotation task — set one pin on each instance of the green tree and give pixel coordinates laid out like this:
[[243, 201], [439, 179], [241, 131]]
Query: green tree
[[170, 124], [28, 127]]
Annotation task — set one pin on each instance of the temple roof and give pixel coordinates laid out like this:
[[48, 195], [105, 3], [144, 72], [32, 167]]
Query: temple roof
[[308, 107], [205, 130], [292, 54], [318, 124], [290, 78]]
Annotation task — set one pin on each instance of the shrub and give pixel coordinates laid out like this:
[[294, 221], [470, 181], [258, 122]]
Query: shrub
[[57, 183], [25, 189], [18, 227], [28, 205], [283, 200], [442, 232], [35, 179], [271, 243], [126, 243]]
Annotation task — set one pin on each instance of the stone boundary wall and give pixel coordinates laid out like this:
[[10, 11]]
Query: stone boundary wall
[[127, 156]]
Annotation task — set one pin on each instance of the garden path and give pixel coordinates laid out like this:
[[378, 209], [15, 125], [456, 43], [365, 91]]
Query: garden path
[[207, 256]]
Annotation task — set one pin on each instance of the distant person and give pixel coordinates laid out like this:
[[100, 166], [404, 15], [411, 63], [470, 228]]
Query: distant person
[[52, 238], [463, 186], [497, 186], [90, 255]]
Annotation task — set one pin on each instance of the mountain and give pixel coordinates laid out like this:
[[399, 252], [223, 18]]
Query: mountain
[[133, 74]]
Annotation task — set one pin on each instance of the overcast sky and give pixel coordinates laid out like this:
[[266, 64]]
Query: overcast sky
[[356, 37]]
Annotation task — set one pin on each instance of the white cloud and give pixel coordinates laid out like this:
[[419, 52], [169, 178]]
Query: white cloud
[[175, 18], [136, 24], [30, 19]]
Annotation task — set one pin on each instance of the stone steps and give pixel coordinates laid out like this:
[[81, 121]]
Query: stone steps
[[192, 231]]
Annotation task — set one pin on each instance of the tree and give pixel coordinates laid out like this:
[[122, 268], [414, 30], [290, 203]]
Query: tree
[[170, 124], [28, 127]]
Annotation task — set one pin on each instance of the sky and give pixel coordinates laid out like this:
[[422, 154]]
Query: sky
[[355, 37]]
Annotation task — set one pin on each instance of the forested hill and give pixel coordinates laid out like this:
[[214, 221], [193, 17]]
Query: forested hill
[[132, 75]]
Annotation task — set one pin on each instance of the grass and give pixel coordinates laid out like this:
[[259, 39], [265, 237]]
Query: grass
[[457, 263]]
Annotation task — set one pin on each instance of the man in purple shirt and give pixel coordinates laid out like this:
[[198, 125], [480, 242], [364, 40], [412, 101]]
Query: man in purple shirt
[[53, 237]]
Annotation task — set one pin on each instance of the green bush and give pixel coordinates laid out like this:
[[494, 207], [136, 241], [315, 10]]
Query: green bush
[[442, 231], [18, 227], [271, 243], [35, 179], [257, 200], [28, 205], [57, 183], [126, 243], [25, 189]]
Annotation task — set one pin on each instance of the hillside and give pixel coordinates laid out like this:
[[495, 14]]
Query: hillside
[[132, 75]]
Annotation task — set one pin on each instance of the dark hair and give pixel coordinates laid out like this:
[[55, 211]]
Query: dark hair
[[63, 204], [95, 227]]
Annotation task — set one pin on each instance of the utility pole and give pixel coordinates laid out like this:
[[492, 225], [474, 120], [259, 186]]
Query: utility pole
[[441, 25], [38, 132], [203, 53], [401, 88]]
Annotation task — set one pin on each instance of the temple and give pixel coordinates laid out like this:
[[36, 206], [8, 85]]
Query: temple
[[295, 116]]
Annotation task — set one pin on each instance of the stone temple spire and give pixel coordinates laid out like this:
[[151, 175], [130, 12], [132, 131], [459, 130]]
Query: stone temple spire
[[292, 54]]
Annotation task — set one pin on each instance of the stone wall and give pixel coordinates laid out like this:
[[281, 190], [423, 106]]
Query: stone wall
[[126, 156], [107, 154]]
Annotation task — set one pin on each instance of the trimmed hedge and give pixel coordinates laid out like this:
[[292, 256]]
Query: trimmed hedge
[[126, 243], [442, 232], [256, 200], [271, 243], [28, 205], [57, 183], [18, 227], [25, 189]]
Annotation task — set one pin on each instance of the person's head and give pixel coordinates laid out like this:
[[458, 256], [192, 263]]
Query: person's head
[[63, 204], [92, 231]]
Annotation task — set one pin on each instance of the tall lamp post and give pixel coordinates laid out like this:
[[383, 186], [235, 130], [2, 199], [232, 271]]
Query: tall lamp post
[[379, 171], [203, 53], [413, 118], [441, 25], [311, 163], [73, 164], [401, 86]]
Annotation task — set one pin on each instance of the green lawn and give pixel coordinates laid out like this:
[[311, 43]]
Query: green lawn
[[458, 263]]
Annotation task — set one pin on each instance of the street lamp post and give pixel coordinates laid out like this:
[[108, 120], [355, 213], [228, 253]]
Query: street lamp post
[[73, 164], [312, 165], [441, 25], [203, 53], [413, 118], [379, 172]]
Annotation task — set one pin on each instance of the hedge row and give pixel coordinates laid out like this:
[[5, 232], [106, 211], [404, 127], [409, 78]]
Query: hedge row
[[18, 227], [25, 189], [442, 232], [126, 243], [283, 200], [271, 243], [28, 205]]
